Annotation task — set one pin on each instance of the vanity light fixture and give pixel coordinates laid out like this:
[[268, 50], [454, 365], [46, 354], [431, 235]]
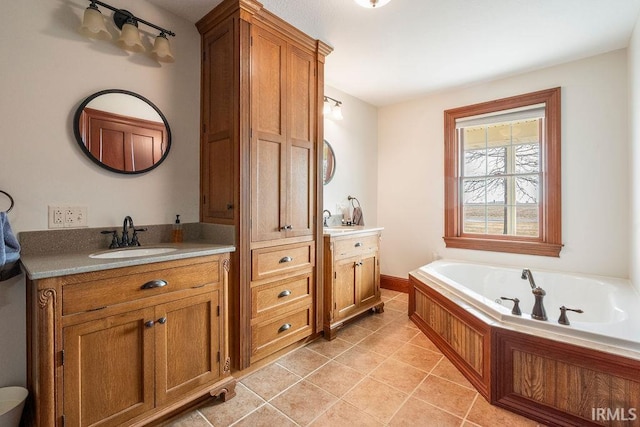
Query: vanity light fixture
[[332, 111], [93, 26], [372, 4]]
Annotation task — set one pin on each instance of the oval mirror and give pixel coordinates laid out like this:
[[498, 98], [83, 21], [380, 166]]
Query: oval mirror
[[328, 162], [122, 131]]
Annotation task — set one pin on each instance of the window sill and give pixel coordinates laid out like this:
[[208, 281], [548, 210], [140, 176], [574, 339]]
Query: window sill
[[510, 246]]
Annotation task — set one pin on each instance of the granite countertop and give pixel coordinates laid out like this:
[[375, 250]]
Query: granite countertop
[[42, 266], [348, 230]]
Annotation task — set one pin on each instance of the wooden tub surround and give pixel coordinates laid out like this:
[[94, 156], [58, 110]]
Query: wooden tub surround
[[553, 382]]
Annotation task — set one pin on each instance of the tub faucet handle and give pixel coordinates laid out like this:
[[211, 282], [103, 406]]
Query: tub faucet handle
[[564, 320], [516, 307]]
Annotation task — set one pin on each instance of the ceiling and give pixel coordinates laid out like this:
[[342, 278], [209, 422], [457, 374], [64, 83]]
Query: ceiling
[[410, 48]]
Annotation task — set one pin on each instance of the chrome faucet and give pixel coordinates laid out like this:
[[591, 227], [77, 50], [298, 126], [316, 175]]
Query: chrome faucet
[[324, 218], [538, 311]]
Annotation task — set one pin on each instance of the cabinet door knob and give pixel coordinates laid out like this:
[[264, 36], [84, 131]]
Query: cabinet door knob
[[149, 324], [154, 284], [284, 327], [286, 227], [357, 245], [284, 293], [162, 320], [285, 259]]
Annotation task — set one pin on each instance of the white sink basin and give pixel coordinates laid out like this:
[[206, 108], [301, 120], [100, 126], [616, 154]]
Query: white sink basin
[[338, 229], [131, 253]]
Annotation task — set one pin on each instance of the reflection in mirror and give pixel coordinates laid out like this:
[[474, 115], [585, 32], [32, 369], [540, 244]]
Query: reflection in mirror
[[328, 163], [122, 131]]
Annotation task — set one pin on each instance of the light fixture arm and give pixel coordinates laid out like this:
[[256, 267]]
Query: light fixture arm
[[333, 99], [124, 16]]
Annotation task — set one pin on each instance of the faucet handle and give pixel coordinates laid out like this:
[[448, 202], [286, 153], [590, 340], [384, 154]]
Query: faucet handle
[[516, 307], [134, 238], [564, 320], [114, 240]]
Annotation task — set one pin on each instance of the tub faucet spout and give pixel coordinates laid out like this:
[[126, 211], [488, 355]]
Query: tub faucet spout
[[526, 274], [538, 311]]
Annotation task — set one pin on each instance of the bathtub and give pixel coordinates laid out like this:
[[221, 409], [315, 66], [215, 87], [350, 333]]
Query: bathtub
[[611, 317], [560, 375]]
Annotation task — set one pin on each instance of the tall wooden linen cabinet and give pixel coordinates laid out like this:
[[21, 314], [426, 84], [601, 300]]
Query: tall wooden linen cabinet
[[261, 154]]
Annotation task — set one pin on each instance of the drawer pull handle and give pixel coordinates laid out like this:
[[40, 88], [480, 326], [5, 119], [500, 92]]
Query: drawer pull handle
[[154, 284], [357, 245], [284, 293], [162, 320], [285, 259], [284, 327], [286, 227], [149, 324]]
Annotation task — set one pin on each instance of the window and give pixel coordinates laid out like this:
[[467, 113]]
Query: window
[[502, 175]]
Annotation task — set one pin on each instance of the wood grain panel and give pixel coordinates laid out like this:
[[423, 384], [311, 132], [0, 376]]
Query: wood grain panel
[[267, 202], [109, 369], [100, 293], [271, 335], [187, 345], [272, 298], [278, 260], [300, 191], [562, 384], [463, 339], [269, 97]]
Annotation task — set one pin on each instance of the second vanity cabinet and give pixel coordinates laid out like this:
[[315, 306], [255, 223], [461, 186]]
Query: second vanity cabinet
[[351, 277], [128, 345]]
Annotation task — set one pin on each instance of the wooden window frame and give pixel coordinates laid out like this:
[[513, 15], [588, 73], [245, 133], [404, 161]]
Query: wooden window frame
[[549, 242]]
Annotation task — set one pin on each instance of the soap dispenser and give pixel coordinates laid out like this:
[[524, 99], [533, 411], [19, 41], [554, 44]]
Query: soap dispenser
[[176, 235]]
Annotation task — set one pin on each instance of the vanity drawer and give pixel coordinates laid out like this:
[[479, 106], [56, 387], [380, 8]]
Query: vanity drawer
[[273, 261], [132, 284], [271, 298], [351, 246], [277, 333]]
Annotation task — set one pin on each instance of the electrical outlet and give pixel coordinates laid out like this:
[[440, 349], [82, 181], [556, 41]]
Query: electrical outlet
[[75, 216], [67, 216], [56, 217]]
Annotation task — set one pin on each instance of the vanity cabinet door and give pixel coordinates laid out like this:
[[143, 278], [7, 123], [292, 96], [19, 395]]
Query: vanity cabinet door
[[345, 292], [108, 369], [368, 278], [187, 345]]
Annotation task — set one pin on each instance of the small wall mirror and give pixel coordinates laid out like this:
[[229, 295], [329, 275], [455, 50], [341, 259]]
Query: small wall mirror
[[122, 131], [328, 163]]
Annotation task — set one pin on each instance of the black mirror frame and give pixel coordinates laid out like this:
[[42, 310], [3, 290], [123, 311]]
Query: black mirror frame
[[76, 130]]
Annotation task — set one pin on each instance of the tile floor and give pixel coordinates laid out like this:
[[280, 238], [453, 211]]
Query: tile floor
[[379, 371]]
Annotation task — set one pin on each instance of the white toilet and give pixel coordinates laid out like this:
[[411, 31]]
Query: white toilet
[[11, 404]]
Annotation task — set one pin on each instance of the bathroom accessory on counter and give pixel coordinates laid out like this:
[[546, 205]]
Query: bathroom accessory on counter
[[176, 233], [357, 218], [9, 246]]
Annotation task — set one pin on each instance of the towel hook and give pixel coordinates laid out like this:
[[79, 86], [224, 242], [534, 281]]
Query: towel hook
[[351, 198], [10, 198]]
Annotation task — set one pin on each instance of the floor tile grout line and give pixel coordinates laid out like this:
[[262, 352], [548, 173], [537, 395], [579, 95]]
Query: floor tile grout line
[[471, 407], [206, 420]]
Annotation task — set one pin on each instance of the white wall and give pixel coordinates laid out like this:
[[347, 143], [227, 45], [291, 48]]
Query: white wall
[[47, 70], [595, 170], [355, 143], [634, 157]]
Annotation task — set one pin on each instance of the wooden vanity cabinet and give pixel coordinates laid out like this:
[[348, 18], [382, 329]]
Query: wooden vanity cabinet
[[351, 279], [261, 160], [98, 358]]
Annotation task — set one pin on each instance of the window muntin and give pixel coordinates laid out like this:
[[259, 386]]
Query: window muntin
[[502, 175]]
